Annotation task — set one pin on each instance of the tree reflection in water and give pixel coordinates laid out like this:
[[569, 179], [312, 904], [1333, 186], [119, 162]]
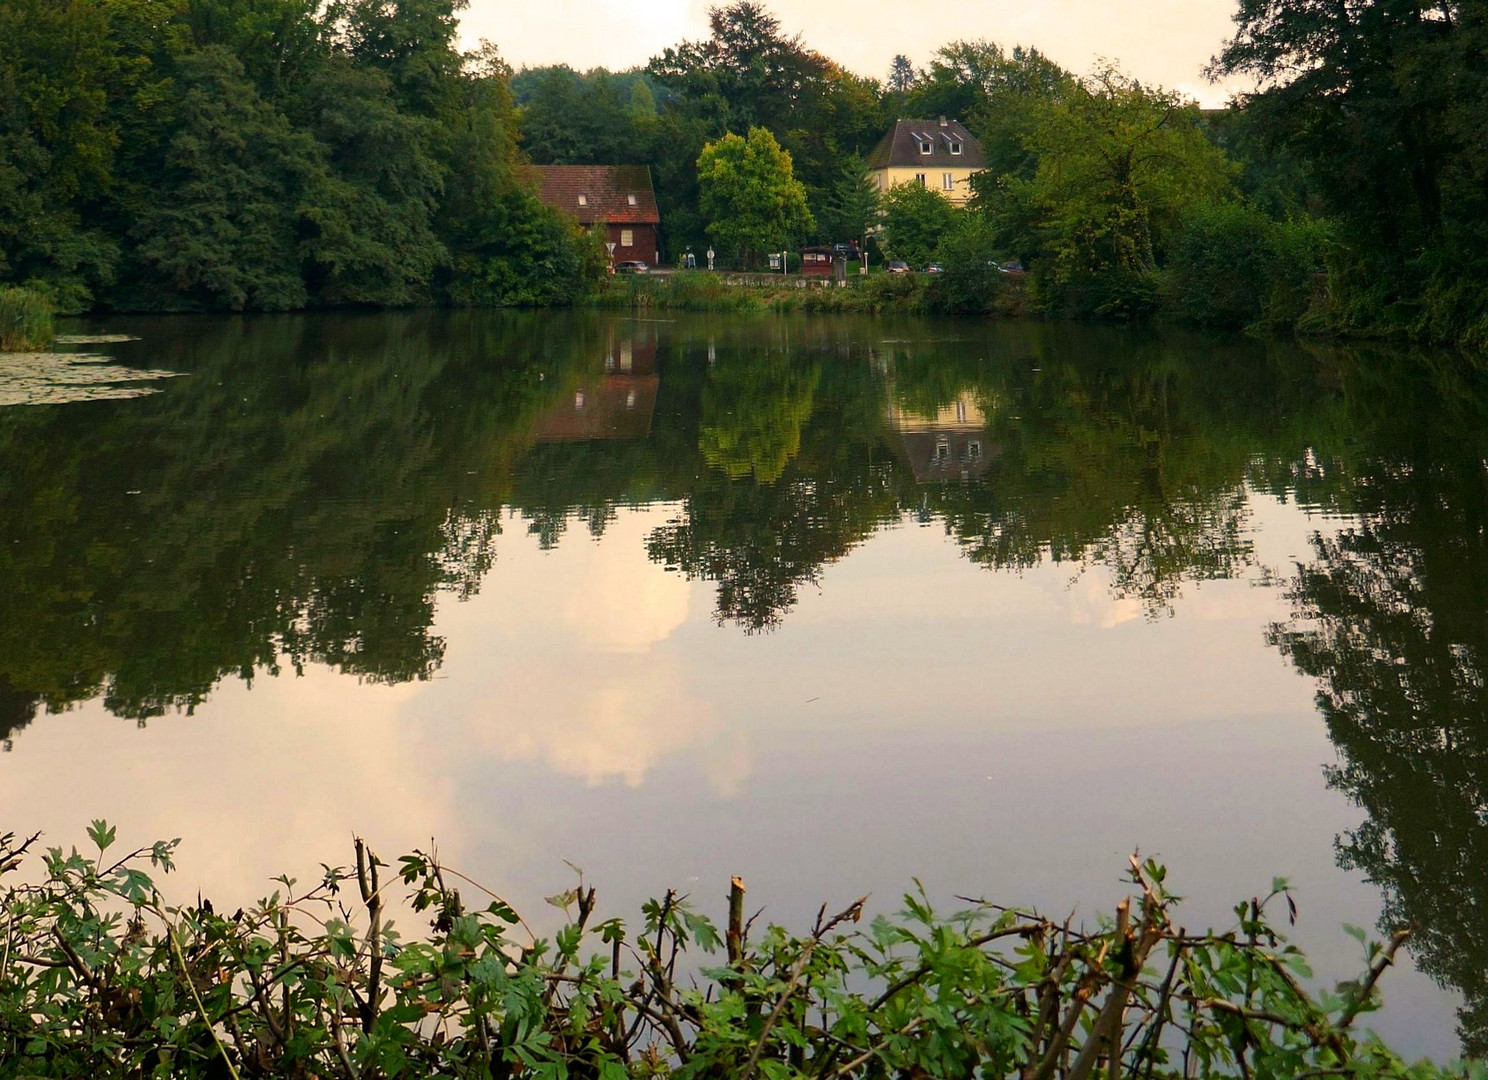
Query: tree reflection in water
[[1391, 618], [311, 489]]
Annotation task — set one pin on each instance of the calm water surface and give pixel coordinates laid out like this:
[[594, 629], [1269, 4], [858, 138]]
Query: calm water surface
[[825, 603]]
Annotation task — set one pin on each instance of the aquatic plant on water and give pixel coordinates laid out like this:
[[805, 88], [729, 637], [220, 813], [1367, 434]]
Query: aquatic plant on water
[[100, 977]]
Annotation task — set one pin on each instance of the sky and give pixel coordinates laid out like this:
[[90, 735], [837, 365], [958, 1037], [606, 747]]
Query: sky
[[1161, 41]]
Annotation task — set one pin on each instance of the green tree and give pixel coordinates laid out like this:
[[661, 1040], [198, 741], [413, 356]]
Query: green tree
[[749, 196], [852, 205], [915, 220], [1383, 101], [1119, 163], [902, 75], [223, 233], [372, 238]]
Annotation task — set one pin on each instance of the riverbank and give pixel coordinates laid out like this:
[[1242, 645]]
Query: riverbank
[[993, 294], [314, 981]]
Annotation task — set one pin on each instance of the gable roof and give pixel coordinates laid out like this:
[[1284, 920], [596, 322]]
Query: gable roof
[[607, 192], [901, 145]]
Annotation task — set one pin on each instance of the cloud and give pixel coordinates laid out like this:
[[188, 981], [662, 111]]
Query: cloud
[[571, 664]]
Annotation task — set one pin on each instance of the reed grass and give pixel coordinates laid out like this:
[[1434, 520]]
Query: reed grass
[[25, 320]]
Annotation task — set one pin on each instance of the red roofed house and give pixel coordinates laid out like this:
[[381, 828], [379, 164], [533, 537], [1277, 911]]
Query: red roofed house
[[617, 196]]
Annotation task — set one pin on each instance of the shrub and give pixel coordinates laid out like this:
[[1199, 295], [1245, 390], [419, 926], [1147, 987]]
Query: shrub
[[25, 320], [970, 282], [1232, 267], [99, 977]]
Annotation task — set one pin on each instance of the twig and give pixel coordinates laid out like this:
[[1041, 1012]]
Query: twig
[[848, 1066], [1385, 958], [170, 932]]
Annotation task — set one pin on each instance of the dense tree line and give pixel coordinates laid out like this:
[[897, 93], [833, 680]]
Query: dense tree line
[[266, 155], [1345, 193], [277, 154]]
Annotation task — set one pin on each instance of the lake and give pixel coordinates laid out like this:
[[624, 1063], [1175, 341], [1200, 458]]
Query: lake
[[827, 603]]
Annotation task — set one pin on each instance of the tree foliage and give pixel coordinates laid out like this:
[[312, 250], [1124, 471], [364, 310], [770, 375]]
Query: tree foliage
[[1382, 102], [261, 155], [1118, 165], [107, 979], [915, 220], [749, 195]]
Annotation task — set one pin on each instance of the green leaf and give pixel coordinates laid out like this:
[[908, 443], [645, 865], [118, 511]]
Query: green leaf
[[102, 834]]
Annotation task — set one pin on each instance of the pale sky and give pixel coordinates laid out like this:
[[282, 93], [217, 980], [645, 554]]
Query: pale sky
[[1160, 41]]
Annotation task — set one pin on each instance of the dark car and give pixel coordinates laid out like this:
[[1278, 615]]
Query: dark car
[[1013, 267], [934, 268], [845, 249], [896, 266], [631, 266]]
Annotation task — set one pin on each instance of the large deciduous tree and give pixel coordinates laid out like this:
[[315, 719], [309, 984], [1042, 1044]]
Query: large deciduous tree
[[915, 220], [749, 196], [1383, 101], [1118, 164]]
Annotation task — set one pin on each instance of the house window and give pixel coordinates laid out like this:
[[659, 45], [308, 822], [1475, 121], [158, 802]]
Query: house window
[[947, 181], [630, 200], [627, 238], [955, 148], [920, 179], [926, 147], [583, 200]]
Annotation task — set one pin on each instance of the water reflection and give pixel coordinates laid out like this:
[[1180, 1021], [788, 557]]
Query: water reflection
[[1391, 618], [303, 498]]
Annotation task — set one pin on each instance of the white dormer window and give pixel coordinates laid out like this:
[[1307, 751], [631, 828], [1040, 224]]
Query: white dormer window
[[630, 200], [955, 148], [926, 146], [583, 200]]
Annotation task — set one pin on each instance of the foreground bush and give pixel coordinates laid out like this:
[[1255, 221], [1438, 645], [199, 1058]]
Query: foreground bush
[[25, 320], [98, 977]]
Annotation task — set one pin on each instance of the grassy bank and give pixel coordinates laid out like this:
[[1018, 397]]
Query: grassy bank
[[25, 320], [99, 977], [906, 294]]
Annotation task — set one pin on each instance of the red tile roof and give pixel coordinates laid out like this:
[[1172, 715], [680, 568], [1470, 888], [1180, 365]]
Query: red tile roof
[[607, 190]]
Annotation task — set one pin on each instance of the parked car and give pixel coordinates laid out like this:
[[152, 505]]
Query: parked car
[[845, 249], [1012, 267], [934, 268], [631, 266], [896, 266]]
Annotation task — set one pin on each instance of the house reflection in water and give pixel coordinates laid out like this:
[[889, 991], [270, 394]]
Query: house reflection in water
[[615, 405], [949, 444]]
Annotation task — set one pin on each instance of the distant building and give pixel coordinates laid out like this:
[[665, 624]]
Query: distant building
[[938, 154], [620, 197], [819, 261], [950, 444]]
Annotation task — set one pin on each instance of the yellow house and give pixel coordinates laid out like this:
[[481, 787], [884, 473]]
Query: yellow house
[[937, 154]]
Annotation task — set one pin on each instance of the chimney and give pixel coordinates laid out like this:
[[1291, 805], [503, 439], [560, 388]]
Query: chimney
[[943, 122]]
